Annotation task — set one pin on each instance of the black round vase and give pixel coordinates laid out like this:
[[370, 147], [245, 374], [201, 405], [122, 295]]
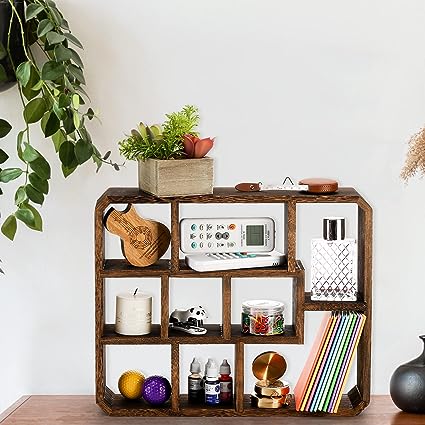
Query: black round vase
[[407, 385], [17, 54]]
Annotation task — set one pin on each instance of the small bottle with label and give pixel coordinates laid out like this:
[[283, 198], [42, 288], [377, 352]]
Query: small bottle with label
[[212, 384], [195, 391], [226, 383]]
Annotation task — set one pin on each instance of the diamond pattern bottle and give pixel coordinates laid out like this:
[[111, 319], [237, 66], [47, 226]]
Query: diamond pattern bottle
[[334, 263]]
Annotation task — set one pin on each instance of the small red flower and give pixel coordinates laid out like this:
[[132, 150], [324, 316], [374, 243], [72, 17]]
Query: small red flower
[[194, 147]]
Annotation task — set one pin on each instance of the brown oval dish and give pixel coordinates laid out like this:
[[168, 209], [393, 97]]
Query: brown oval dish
[[319, 185]]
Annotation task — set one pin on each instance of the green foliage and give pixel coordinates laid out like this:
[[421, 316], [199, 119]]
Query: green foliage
[[153, 142], [52, 95]]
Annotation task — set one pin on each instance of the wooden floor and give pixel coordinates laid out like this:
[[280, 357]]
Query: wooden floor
[[82, 410]]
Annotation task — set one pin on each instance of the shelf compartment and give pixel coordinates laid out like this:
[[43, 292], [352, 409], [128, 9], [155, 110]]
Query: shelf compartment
[[110, 337], [191, 409], [289, 337], [124, 195], [122, 268], [346, 408], [117, 405], [310, 305], [119, 267], [214, 335]]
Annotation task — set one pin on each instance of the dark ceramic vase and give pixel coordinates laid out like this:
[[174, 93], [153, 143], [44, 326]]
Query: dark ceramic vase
[[17, 54], [407, 385]]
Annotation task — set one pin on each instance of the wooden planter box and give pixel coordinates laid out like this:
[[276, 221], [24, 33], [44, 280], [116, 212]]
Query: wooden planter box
[[177, 177]]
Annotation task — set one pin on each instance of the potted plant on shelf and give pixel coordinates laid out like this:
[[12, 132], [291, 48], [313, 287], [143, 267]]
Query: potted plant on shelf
[[171, 157], [39, 52]]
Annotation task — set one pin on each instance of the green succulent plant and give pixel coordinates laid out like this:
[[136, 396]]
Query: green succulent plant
[[161, 142]]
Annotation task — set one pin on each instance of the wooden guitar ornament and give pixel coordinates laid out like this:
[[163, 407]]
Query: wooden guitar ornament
[[143, 242]]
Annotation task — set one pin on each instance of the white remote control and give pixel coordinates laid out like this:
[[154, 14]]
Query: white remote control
[[233, 260], [243, 234]]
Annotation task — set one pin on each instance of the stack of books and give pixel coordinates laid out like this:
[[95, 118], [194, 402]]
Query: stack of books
[[320, 386]]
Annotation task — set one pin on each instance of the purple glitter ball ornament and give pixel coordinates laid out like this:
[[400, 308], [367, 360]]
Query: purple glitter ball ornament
[[156, 390]]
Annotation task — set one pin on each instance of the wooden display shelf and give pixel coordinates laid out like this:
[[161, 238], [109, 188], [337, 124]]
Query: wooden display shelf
[[310, 305], [227, 333]]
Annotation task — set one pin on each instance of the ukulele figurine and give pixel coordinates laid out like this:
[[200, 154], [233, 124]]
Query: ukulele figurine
[[143, 242]]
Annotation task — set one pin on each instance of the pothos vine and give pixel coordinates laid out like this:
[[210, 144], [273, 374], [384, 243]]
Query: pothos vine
[[52, 94]]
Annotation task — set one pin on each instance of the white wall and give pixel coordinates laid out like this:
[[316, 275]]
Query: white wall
[[303, 88]]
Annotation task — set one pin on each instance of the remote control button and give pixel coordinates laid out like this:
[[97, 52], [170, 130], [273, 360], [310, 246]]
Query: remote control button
[[201, 236], [193, 227], [238, 254], [192, 236], [209, 235], [232, 226], [210, 244], [209, 226], [201, 244], [218, 235], [201, 227], [244, 256], [233, 255], [230, 244], [194, 245], [252, 255], [225, 235], [220, 244]]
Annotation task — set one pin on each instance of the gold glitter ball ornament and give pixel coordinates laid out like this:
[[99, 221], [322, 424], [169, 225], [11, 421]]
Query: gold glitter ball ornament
[[130, 384]]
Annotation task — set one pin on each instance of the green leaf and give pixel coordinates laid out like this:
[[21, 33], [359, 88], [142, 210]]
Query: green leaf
[[67, 154], [67, 171], [52, 70], [26, 216], [58, 138], [19, 144], [90, 114], [9, 227], [52, 125], [34, 195], [5, 128], [40, 184], [62, 53], [3, 51], [68, 124], [32, 11], [44, 27], [9, 174], [76, 58], [3, 156], [38, 222], [29, 154], [3, 75], [54, 38], [33, 87], [75, 101], [83, 151], [20, 195], [38, 86], [23, 73], [76, 118], [41, 167], [64, 24], [64, 101], [59, 112], [77, 73], [57, 17], [34, 110], [74, 40]]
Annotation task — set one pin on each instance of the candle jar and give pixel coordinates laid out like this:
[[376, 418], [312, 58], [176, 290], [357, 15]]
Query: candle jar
[[262, 317], [133, 314]]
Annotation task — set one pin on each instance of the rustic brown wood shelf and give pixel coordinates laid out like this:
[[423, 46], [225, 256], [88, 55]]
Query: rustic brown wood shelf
[[352, 403]]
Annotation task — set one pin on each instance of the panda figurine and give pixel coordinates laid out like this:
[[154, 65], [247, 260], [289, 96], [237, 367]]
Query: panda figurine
[[190, 321]]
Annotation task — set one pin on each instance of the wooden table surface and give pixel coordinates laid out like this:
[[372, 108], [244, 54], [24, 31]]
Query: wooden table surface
[[82, 410]]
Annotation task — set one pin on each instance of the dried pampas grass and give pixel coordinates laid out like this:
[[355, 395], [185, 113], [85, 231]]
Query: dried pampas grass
[[415, 159]]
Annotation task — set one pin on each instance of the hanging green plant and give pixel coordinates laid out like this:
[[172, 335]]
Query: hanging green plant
[[52, 95]]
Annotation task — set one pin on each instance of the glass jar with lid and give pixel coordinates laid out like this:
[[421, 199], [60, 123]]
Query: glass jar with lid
[[263, 317]]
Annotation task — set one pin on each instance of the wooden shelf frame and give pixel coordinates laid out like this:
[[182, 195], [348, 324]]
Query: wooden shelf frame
[[353, 403]]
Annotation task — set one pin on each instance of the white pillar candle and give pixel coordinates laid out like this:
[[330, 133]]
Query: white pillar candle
[[133, 314]]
